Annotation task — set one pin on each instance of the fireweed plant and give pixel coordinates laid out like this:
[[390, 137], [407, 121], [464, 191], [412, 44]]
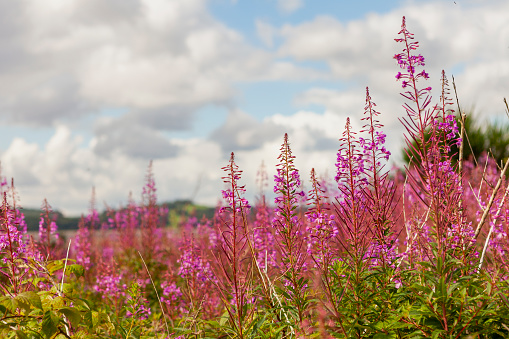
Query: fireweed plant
[[418, 252], [235, 269]]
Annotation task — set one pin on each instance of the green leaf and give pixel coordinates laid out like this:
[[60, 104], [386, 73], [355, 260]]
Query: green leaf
[[442, 288], [76, 269], [67, 288], [54, 266], [436, 334], [23, 303], [257, 325], [87, 317], [9, 303], [72, 315], [87, 304], [31, 298], [224, 319], [58, 302], [49, 324], [82, 335], [99, 317], [96, 318], [21, 335]]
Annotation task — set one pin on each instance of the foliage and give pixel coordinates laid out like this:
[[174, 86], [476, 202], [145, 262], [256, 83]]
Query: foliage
[[492, 138], [420, 253], [178, 210]]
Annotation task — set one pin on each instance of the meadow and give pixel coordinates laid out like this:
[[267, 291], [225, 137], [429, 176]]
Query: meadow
[[416, 252]]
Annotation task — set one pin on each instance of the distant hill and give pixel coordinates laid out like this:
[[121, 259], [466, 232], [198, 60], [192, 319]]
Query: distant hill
[[33, 216], [183, 209], [178, 211]]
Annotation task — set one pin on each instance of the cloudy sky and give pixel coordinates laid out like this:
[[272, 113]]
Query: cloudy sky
[[92, 90]]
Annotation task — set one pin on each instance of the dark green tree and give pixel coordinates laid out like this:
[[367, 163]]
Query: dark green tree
[[490, 137]]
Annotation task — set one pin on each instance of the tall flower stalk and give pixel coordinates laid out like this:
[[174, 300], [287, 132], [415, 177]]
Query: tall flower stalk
[[434, 181], [380, 191], [289, 233], [349, 206], [84, 241], [47, 230], [322, 230], [12, 249], [235, 268], [150, 217]]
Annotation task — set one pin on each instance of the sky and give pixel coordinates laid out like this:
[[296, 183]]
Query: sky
[[91, 91]]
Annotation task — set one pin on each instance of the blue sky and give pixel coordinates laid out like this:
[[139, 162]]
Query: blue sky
[[241, 14], [92, 90]]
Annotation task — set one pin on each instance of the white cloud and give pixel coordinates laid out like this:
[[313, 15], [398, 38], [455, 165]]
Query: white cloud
[[19, 159], [289, 6], [64, 171], [69, 59], [347, 103], [159, 60], [243, 132], [327, 125], [474, 37], [265, 32]]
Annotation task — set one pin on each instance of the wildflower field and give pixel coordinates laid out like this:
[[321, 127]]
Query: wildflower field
[[417, 252]]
